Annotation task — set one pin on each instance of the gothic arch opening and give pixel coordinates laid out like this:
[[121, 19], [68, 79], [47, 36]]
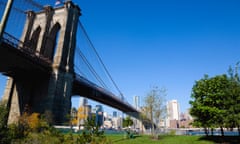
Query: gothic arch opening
[[34, 38], [51, 42]]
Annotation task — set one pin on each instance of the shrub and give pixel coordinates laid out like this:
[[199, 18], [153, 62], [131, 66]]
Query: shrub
[[92, 134], [4, 135]]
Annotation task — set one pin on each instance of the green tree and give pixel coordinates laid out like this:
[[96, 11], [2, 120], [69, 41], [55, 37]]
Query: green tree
[[127, 122], [208, 104], [92, 134], [233, 101], [155, 106]]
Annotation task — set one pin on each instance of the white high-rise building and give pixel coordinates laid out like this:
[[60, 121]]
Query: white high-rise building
[[136, 102], [173, 110], [173, 113]]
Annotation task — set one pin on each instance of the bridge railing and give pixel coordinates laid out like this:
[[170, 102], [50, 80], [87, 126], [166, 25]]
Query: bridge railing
[[16, 43], [86, 81]]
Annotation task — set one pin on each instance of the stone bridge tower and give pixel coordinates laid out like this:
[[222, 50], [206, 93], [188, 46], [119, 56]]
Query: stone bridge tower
[[50, 33]]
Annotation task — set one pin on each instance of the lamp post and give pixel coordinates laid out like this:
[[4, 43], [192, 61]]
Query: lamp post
[[5, 17]]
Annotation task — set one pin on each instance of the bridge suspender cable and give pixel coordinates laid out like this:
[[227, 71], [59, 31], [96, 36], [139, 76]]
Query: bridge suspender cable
[[90, 68], [80, 72], [91, 44]]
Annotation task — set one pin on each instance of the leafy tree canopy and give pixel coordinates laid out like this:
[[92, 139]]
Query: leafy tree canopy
[[216, 101]]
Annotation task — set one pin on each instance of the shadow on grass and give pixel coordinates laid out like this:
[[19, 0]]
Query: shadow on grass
[[222, 139]]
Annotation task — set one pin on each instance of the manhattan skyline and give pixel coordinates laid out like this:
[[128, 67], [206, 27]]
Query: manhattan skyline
[[167, 44]]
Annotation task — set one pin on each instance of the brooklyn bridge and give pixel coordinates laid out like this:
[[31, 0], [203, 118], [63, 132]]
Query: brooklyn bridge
[[44, 62]]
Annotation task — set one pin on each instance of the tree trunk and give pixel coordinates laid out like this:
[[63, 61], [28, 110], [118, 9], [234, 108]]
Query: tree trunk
[[151, 115], [212, 131], [153, 130], [238, 130], [222, 132], [206, 131]]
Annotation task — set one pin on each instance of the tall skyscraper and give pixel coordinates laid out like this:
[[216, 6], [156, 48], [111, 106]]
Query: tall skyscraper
[[173, 110], [136, 102], [99, 115], [114, 113], [84, 112], [83, 101]]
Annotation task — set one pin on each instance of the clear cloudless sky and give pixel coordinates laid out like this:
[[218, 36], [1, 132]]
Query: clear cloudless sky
[[164, 43]]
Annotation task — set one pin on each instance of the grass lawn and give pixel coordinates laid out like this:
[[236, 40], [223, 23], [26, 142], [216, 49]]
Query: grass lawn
[[168, 139]]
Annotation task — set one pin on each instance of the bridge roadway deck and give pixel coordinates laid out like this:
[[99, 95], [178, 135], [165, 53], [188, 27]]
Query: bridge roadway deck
[[82, 86], [15, 62]]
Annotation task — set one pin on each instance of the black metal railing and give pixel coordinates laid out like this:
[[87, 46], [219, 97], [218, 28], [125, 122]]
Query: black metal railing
[[16, 43], [100, 89]]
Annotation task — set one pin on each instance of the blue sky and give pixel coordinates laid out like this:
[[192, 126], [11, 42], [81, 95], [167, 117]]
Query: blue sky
[[167, 43], [164, 43]]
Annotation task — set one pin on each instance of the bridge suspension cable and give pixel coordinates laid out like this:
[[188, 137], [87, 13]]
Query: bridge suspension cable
[[17, 15], [100, 60], [35, 4], [90, 67]]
